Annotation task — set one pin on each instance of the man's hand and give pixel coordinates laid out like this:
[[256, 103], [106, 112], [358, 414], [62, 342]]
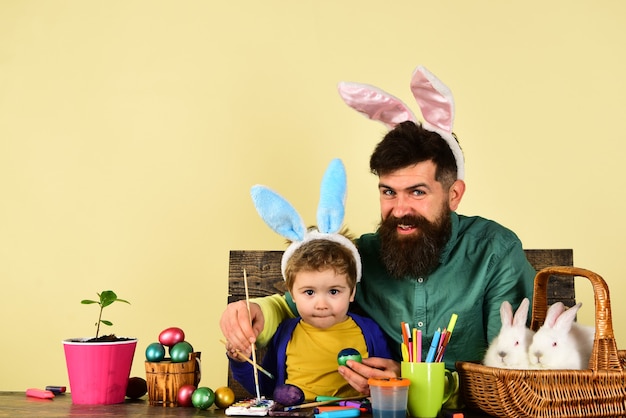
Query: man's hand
[[235, 325], [356, 374]]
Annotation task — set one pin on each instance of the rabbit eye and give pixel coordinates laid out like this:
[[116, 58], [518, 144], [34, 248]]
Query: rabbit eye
[[554, 344], [516, 343]]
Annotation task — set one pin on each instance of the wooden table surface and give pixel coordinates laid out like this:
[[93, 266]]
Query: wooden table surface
[[17, 404]]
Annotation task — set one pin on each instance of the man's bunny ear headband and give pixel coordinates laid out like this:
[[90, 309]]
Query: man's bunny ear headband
[[433, 97], [279, 215]]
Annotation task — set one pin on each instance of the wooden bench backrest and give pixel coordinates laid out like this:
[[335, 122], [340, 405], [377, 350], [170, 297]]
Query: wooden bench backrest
[[264, 279]]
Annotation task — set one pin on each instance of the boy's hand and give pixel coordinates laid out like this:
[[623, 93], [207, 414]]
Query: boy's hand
[[235, 325], [356, 374]]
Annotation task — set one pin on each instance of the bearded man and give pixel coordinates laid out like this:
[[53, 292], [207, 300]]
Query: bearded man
[[423, 264]]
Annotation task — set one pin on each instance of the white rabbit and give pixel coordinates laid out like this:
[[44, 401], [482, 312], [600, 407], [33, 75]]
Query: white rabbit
[[509, 349], [561, 343]]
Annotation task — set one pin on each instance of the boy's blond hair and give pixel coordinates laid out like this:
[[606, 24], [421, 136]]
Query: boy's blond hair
[[321, 255]]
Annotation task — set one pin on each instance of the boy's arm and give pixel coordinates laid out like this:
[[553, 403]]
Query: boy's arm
[[275, 309]]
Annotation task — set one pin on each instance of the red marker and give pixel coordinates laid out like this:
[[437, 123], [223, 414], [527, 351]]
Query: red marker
[[39, 393]]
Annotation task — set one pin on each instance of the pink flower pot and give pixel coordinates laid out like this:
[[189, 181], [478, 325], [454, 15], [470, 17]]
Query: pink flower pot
[[98, 371]]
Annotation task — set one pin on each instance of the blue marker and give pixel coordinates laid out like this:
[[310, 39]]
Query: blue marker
[[342, 413], [433, 347]]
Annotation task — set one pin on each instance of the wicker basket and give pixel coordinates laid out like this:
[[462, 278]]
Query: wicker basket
[[599, 391]]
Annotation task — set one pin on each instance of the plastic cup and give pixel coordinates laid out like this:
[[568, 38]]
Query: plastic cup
[[389, 397]]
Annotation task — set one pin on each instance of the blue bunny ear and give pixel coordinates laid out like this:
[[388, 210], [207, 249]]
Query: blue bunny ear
[[330, 211], [277, 213]]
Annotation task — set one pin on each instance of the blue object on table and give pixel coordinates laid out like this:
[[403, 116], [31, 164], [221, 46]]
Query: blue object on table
[[343, 413]]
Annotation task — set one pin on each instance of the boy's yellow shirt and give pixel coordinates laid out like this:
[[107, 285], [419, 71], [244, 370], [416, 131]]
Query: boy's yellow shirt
[[312, 358]]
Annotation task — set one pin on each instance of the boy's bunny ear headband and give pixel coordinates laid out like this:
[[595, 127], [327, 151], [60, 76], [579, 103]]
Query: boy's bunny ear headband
[[279, 215], [433, 97]]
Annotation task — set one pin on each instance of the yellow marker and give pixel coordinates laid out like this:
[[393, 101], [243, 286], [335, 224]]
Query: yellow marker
[[405, 352], [452, 323], [414, 344]]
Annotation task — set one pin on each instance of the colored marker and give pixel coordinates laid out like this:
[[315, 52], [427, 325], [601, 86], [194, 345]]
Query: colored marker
[[433, 347], [419, 346], [344, 413]]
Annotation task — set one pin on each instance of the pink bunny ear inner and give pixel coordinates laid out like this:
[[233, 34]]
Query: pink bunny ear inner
[[506, 314], [566, 319], [553, 313], [521, 314], [434, 99], [374, 103]]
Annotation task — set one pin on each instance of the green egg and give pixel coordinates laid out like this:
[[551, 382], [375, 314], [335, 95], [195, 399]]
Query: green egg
[[180, 352], [203, 397], [348, 354]]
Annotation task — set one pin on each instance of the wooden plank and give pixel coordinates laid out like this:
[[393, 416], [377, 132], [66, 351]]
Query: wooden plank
[[560, 288]]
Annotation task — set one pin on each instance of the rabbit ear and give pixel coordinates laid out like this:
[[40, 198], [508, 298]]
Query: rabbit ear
[[506, 314], [277, 213], [566, 319], [553, 314], [521, 313], [376, 104], [434, 99], [330, 210]]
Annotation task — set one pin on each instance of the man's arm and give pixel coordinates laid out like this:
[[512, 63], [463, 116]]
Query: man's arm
[[275, 310], [266, 313]]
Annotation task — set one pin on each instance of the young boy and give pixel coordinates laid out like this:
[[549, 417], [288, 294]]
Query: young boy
[[321, 276]]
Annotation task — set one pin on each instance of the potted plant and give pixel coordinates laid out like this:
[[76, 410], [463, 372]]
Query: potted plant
[[99, 367]]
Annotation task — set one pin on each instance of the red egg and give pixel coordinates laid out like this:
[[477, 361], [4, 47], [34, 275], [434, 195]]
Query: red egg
[[171, 336], [183, 398]]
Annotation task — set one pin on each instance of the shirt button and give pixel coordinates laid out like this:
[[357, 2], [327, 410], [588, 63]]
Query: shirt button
[[420, 280], [420, 324]]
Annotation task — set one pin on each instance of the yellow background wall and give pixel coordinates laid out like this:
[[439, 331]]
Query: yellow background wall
[[131, 132]]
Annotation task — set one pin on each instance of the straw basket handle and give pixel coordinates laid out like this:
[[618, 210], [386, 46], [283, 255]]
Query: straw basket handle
[[604, 355]]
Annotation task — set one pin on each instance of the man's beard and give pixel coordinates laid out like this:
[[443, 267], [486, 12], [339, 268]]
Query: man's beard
[[417, 254]]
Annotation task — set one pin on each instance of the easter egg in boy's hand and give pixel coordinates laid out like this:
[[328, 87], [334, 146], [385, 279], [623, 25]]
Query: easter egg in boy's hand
[[203, 397], [348, 354], [171, 336]]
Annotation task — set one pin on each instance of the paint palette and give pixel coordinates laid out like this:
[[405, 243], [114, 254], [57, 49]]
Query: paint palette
[[250, 407]]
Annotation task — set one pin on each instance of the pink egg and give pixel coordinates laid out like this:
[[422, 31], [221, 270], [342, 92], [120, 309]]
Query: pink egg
[[171, 336], [183, 398]]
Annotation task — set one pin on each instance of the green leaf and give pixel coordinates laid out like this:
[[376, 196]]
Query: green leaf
[[105, 322], [88, 302], [107, 297]]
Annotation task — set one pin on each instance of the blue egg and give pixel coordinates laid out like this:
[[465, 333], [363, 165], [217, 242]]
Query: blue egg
[[348, 354], [155, 352]]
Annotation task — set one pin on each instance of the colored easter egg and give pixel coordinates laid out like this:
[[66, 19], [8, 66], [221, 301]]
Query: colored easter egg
[[155, 352], [203, 397], [288, 395], [224, 397], [171, 336], [180, 352], [137, 387], [183, 397], [348, 354]]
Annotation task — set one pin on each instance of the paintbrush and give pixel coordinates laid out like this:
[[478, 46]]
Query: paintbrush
[[244, 358], [320, 403], [252, 347]]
